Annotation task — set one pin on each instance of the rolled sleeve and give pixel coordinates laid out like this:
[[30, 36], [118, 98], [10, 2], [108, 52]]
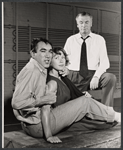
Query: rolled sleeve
[[103, 59]]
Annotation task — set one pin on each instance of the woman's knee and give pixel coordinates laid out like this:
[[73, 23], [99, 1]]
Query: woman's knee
[[85, 101]]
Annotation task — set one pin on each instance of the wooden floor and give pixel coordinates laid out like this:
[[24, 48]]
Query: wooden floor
[[14, 137], [110, 138]]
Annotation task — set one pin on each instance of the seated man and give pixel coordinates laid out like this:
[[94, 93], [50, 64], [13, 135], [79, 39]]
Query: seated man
[[29, 95], [89, 61]]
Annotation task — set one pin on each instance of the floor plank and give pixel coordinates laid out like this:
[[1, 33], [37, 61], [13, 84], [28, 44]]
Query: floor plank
[[110, 138]]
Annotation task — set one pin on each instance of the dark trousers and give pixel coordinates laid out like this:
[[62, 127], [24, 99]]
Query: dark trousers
[[107, 83]]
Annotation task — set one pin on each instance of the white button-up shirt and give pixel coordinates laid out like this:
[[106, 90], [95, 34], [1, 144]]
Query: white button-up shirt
[[97, 58]]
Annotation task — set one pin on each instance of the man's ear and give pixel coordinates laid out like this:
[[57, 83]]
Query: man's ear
[[77, 26], [32, 54], [91, 22]]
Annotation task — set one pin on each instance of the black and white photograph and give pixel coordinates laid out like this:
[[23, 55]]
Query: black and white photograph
[[61, 74]]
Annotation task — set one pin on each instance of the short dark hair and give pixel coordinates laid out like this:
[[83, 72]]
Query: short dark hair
[[35, 41], [84, 14], [57, 50]]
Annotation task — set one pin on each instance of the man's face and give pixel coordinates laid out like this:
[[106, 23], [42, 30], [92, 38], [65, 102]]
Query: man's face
[[44, 54], [84, 24]]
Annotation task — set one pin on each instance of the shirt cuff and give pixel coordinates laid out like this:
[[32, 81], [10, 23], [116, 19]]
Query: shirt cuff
[[98, 74]]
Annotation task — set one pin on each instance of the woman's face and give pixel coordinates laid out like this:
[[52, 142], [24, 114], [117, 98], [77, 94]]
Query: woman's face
[[58, 61]]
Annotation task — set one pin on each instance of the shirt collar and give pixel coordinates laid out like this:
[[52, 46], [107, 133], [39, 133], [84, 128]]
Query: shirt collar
[[79, 35], [39, 66], [91, 34]]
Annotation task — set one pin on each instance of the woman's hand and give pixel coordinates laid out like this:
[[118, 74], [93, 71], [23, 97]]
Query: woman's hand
[[54, 139], [87, 94], [64, 72]]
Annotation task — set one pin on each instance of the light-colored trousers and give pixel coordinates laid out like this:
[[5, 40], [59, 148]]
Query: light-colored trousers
[[70, 112]]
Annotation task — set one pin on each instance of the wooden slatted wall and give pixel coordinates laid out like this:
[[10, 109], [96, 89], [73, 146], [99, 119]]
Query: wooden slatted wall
[[112, 43], [32, 23], [57, 23]]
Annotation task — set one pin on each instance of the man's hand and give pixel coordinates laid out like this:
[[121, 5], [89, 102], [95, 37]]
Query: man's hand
[[94, 83], [64, 72]]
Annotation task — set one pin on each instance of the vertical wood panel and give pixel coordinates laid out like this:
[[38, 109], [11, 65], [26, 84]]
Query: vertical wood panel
[[8, 43], [32, 24], [110, 22], [9, 13], [60, 17], [112, 42], [8, 80], [32, 14]]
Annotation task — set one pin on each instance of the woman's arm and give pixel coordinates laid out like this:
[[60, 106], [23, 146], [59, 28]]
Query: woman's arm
[[51, 87]]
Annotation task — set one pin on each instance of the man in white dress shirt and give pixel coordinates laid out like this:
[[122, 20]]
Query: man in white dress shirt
[[97, 60]]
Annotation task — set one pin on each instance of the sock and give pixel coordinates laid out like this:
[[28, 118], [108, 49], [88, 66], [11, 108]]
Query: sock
[[117, 116]]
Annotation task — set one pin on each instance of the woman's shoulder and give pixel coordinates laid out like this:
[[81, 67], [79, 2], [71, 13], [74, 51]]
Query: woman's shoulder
[[50, 77], [52, 86]]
